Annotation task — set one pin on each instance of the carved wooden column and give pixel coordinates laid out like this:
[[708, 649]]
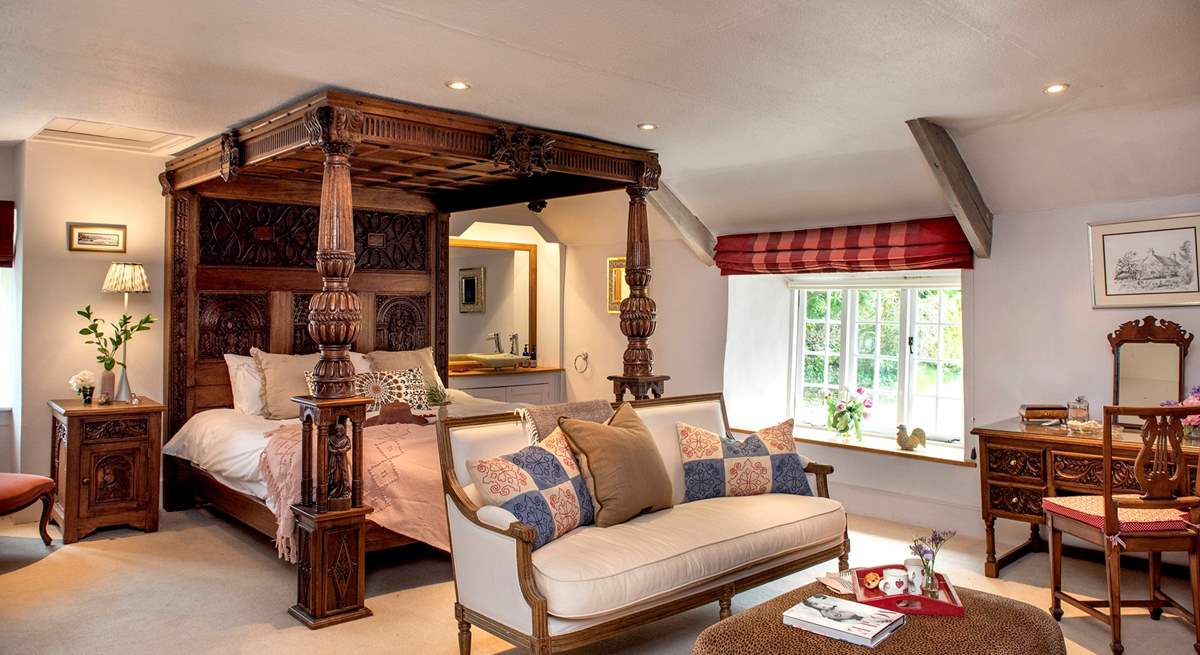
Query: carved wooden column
[[331, 518], [638, 310]]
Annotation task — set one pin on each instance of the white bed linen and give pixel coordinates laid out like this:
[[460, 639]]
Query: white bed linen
[[228, 443]]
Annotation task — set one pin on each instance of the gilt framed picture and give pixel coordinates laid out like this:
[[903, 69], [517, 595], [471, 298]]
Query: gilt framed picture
[[1146, 263], [95, 237], [618, 288]]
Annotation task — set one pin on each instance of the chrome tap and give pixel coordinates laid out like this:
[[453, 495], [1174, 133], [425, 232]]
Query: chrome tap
[[494, 337], [512, 344]]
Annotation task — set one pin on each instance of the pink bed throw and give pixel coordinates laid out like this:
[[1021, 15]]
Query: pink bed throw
[[402, 482]]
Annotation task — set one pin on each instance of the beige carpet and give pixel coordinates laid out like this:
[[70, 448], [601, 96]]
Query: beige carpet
[[205, 585]]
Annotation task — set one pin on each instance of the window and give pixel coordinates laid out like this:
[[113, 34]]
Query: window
[[8, 332], [899, 337]]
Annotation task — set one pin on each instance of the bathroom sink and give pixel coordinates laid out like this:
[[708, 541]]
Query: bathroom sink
[[496, 360]]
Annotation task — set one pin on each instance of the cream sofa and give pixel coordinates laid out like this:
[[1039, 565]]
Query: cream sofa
[[594, 582]]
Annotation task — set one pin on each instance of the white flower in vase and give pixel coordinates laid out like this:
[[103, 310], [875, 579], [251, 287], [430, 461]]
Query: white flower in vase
[[82, 380]]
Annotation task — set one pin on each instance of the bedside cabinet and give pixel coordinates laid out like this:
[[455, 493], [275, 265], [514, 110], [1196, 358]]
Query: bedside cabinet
[[105, 460]]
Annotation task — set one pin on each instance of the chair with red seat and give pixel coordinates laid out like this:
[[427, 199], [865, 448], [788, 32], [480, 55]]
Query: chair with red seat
[[1163, 517], [20, 490]]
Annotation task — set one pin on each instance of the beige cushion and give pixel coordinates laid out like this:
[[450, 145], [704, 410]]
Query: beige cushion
[[399, 360], [283, 377], [661, 419], [620, 464], [593, 571]]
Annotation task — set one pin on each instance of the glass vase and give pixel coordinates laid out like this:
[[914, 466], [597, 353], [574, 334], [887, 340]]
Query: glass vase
[[931, 584]]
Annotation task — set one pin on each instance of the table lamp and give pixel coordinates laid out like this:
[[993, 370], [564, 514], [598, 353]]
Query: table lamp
[[126, 278]]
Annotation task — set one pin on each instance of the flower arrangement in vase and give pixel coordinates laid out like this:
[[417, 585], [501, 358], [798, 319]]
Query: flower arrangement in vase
[[1191, 424], [847, 410], [108, 346], [927, 549], [83, 383]]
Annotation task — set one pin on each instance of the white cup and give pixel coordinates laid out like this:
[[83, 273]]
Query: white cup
[[894, 582], [915, 567]]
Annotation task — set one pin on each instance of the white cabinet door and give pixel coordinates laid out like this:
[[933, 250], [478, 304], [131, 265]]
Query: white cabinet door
[[534, 394], [491, 393]]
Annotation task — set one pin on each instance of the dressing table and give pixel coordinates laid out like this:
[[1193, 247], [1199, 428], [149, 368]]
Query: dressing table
[[1023, 462]]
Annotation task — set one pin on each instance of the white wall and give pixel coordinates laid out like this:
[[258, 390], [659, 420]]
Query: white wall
[[62, 183], [689, 340], [8, 191]]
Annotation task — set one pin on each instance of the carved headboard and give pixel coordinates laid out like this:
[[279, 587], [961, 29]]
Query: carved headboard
[[241, 257]]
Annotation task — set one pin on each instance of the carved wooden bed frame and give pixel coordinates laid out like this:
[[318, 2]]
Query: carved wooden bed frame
[[324, 227]]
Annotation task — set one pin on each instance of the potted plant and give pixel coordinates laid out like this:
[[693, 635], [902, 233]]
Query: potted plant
[[83, 383], [847, 409], [107, 346]]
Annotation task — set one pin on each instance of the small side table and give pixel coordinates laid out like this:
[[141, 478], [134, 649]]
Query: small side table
[[105, 460]]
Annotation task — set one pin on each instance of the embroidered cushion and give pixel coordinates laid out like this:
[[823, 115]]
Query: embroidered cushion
[[387, 387], [540, 484], [1090, 510], [766, 462]]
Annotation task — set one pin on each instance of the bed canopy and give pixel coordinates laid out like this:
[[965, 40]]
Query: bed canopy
[[323, 226]]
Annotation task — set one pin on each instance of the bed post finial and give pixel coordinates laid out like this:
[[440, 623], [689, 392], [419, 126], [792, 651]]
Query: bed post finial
[[638, 309]]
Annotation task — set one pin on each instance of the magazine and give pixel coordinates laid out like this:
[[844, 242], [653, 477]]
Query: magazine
[[843, 619]]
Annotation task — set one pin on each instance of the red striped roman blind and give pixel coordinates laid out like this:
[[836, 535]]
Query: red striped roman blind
[[906, 245], [6, 233]]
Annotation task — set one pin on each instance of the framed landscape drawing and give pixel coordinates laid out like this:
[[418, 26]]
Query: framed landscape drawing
[[1146, 263], [94, 237]]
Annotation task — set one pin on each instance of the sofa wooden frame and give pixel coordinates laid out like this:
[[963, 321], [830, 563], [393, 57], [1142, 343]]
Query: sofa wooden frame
[[541, 642]]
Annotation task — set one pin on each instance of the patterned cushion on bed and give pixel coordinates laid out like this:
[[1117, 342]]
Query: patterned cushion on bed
[[387, 387], [540, 484], [766, 462]]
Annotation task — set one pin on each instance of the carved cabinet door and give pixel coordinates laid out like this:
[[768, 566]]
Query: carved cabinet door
[[112, 478]]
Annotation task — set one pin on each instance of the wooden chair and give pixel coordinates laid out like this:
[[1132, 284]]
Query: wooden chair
[[20, 490], [1162, 518]]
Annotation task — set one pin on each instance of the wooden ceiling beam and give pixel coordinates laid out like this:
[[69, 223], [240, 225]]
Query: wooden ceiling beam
[[956, 182], [694, 232]]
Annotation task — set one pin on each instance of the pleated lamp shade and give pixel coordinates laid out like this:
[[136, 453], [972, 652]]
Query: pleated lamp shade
[[126, 277]]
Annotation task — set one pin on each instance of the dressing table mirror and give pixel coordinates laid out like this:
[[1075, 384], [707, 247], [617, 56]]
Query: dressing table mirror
[[1148, 356]]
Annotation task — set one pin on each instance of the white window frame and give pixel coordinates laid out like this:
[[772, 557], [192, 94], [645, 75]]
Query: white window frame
[[848, 283]]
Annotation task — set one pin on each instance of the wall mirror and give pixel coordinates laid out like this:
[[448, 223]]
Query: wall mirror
[[1148, 357], [497, 290]]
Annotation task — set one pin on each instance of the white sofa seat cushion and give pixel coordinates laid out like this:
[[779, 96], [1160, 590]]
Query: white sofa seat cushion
[[593, 571]]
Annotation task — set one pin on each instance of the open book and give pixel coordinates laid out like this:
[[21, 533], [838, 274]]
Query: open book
[[843, 619]]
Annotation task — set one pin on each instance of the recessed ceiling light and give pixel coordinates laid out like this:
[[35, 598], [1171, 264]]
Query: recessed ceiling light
[[1056, 88], [457, 85], [647, 126]]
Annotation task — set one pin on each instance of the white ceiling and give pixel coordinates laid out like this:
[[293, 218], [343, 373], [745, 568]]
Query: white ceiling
[[774, 114]]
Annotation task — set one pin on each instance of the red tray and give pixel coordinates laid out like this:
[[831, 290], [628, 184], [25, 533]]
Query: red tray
[[947, 602]]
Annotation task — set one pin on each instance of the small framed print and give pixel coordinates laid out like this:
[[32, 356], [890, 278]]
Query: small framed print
[[95, 237], [618, 288], [472, 290], [1146, 263]]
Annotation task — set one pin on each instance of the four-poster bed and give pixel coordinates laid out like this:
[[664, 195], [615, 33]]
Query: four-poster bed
[[323, 227]]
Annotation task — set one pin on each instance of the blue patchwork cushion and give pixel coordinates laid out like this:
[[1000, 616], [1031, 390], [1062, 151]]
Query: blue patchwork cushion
[[766, 462], [540, 484]]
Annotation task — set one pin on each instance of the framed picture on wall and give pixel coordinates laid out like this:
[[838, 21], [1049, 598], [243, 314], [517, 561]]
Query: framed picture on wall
[[95, 237], [472, 290], [618, 289], [1146, 263]]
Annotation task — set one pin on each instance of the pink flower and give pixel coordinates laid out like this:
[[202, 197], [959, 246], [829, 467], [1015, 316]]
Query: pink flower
[[841, 407], [860, 391], [868, 404]]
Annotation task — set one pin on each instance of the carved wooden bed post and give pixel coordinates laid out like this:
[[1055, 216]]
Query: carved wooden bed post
[[331, 518], [638, 310]]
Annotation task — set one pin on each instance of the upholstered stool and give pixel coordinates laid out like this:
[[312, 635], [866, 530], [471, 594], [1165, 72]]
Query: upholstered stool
[[20, 490], [992, 625]]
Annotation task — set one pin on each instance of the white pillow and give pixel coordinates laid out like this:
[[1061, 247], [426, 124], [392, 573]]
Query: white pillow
[[247, 382], [362, 363], [401, 360]]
